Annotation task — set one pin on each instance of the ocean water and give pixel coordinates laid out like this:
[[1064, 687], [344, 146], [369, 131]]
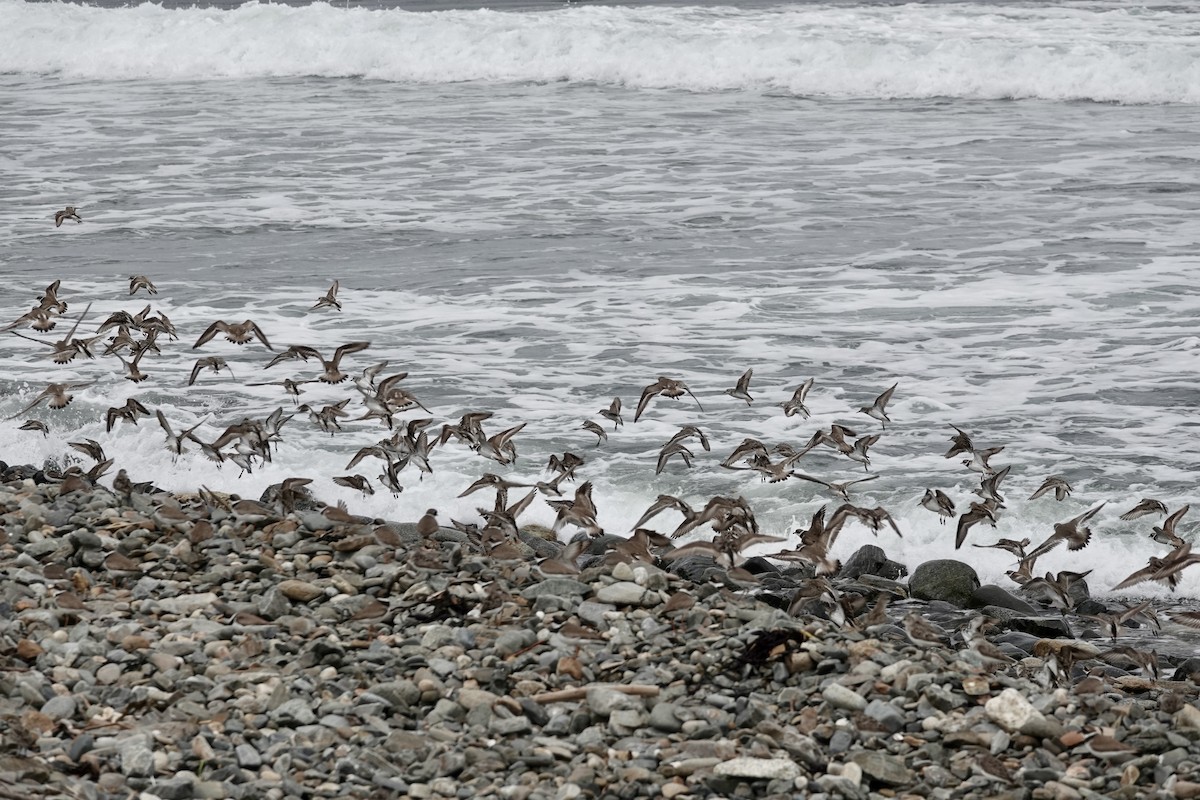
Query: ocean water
[[534, 208]]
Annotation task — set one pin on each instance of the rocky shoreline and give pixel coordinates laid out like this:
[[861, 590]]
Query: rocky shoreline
[[217, 653]]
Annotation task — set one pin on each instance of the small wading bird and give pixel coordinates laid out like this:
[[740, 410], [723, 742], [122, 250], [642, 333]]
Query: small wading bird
[[56, 395], [214, 363], [130, 412], [939, 503], [1056, 484], [1074, 532], [1166, 534], [333, 373], [878, 410], [594, 427], [796, 404], [329, 299], [742, 390], [66, 214], [141, 282], [236, 332], [1147, 506], [667, 387], [613, 413]]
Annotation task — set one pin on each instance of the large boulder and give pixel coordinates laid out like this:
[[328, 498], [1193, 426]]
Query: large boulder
[[992, 595], [871, 560], [944, 579]]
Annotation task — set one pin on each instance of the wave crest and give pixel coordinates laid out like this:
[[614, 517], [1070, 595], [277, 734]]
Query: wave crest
[[912, 51]]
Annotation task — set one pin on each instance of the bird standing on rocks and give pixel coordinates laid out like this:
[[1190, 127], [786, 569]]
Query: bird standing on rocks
[[428, 524]]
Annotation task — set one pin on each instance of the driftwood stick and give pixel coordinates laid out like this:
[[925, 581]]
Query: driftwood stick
[[567, 695]]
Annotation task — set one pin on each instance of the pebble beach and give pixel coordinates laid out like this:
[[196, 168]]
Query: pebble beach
[[315, 653]]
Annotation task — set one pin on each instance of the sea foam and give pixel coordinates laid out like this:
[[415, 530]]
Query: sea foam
[[1093, 52]]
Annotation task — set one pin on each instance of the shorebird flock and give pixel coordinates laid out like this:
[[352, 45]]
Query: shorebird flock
[[378, 399]]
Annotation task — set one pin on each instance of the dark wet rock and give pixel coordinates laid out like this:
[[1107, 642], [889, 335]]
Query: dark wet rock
[[871, 560], [299, 499], [760, 566], [992, 595], [697, 569], [1044, 627], [1092, 607], [1187, 669], [944, 579], [540, 546]]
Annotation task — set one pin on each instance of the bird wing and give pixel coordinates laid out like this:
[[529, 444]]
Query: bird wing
[[647, 393], [257, 331], [210, 332], [351, 347]]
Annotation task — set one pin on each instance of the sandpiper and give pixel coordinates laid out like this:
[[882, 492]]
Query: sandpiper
[[939, 503], [670, 450], [1190, 619], [1113, 622], [56, 395], [67, 213], [1148, 505], [878, 410], [593, 427], [130, 412], [65, 349], [355, 482], [690, 432], [742, 390], [1166, 534], [236, 332], [814, 547], [960, 444], [1017, 548], [501, 446], [132, 371], [667, 387], [329, 299], [296, 351], [1107, 748], [35, 425], [579, 511], [292, 387], [979, 460], [989, 487], [333, 373], [175, 440], [859, 451], [1074, 532], [141, 282], [728, 547], [501, 485], [773, 471], [796, 404], [428, 524], [922, 632], [215, 363], [90, 448], [613, 413], [1056, 484], [327, 417], [1055, 589], [873, 518], [748, 450], [841, 490], [565, 562], [978, 512], [49, 299]]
